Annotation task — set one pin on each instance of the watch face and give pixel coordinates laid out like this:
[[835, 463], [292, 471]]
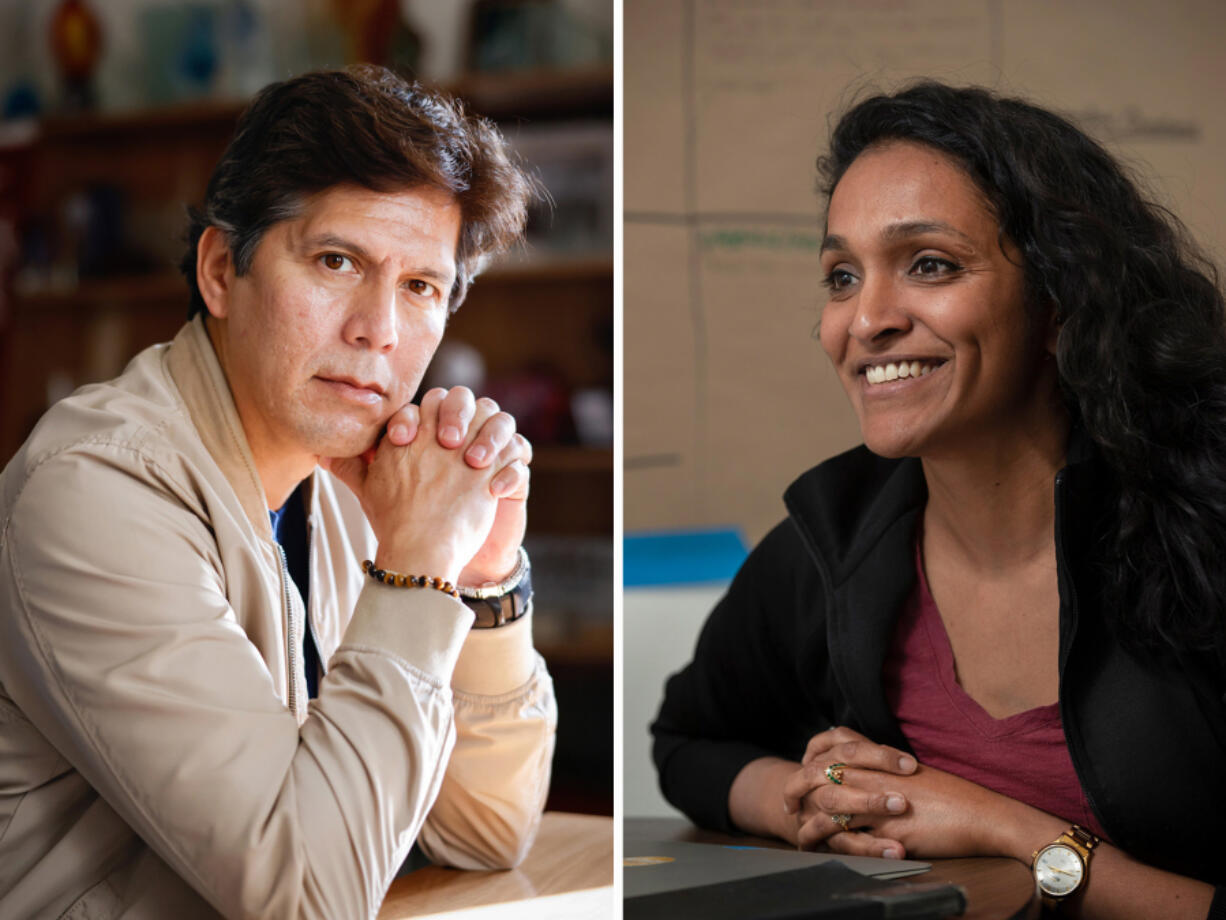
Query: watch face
[[1058, 870]]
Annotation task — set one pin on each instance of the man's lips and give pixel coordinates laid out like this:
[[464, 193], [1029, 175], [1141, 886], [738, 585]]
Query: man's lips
[[358, 391], [354, 382]]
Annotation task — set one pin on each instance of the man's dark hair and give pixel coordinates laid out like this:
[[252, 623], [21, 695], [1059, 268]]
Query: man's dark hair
[[1142, 342], [364, 126]]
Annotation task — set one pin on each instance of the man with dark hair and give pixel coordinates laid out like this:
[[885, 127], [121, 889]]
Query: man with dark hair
[[263, 622]]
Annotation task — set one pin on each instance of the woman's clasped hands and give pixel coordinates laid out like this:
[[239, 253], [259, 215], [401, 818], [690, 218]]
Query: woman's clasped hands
[[866, 799]]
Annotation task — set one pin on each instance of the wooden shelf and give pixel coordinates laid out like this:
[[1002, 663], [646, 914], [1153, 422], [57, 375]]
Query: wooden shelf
[[548, 267], [126, 291], [93, 127], [561, 458], [538, 94]]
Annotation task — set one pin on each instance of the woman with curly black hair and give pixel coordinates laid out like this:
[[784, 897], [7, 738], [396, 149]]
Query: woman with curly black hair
[[998, 628]]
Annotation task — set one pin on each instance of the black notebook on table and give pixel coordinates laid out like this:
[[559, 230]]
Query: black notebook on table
[[666, 880]]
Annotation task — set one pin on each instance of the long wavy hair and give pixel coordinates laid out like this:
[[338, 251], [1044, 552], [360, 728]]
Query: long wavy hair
[[1142, 343]]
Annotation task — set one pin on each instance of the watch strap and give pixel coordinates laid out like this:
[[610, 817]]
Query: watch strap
[[497, 605], [1081, 839]]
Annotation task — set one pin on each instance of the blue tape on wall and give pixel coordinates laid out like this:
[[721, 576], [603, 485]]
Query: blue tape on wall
[[683, 557]]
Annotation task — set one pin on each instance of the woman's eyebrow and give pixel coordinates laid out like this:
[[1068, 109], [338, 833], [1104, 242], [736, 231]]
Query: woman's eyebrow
[[898, 231], [833, 241], [910, 228]]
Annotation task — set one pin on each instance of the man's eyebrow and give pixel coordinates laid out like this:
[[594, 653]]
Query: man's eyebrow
[[900, 231], [332, 241]]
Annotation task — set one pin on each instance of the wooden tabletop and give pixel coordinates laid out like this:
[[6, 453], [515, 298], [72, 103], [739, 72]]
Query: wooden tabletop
[[567, 874], [996, 888]]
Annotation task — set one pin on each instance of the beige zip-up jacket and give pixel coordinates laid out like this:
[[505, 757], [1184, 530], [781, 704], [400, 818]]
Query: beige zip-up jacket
[[158, 753]]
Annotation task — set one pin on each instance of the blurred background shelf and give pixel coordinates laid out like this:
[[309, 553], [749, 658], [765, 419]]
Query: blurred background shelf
[[540, 94]]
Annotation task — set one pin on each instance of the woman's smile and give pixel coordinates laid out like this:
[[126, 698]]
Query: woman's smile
[[889, 371]]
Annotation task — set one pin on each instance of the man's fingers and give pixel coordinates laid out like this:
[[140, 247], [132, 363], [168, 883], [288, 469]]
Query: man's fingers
[[511, 481], [427, 425], [402, 426], [349, 470], [455, 411], [524, 447], [491, 430]]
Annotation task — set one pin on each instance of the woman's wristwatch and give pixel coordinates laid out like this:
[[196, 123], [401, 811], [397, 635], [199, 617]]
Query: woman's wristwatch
[[504, 602], [1062, 867]]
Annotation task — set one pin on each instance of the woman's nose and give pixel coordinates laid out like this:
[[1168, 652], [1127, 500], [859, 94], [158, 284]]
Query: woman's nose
[[879, 312]]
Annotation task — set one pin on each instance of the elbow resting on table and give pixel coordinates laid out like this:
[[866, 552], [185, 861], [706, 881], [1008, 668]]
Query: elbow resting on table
[[495, 841], [514, 846]]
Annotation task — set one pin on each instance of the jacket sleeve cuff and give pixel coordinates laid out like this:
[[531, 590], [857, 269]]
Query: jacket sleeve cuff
[[425, 628], [696, 776], [496, 661]]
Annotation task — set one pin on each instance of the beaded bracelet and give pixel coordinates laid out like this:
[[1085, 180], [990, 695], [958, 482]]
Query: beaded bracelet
[[409, 581]]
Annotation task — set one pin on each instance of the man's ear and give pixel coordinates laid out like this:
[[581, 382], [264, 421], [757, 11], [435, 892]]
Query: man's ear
[[214, 271]]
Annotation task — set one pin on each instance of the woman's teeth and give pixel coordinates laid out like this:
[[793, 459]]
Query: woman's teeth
[[883, 373]]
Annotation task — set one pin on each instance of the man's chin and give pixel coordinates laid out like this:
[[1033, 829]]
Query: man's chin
[[351, 444]]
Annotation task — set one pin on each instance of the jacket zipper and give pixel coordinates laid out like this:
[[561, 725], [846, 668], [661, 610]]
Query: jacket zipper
[[1075, 746], [309, 622], [291, 637]]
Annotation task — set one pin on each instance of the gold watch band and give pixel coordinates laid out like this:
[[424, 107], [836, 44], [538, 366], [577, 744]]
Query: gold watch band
[[1081, 841]]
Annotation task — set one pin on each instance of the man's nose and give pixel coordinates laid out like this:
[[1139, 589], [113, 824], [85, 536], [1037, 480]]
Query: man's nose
[[373, 316]]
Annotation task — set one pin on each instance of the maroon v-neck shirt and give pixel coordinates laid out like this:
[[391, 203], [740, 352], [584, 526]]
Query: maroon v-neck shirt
[[1023, 756]]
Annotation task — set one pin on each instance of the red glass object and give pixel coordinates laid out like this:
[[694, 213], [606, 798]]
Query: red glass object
[[76, 41]]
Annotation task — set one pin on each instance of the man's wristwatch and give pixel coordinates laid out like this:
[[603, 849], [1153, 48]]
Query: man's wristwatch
[[1062, 867], [504, 602]]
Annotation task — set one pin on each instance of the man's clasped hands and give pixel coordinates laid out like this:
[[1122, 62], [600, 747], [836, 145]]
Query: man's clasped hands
[[445, 488]]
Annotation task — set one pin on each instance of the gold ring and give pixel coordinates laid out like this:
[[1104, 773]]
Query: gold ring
[[843, 821], [834, 773]]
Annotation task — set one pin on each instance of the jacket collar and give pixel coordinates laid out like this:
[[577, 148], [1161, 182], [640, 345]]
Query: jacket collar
[[857, 515], [844, 506], [197, 373]]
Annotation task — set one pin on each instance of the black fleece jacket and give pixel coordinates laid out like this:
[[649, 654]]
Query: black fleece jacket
[[798, 642]]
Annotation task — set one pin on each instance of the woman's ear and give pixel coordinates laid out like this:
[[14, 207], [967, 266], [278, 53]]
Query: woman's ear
[[1053, 336], [1054, 324], [214, 271]]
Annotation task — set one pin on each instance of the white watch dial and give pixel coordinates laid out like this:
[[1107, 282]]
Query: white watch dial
[[1059, 870]]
